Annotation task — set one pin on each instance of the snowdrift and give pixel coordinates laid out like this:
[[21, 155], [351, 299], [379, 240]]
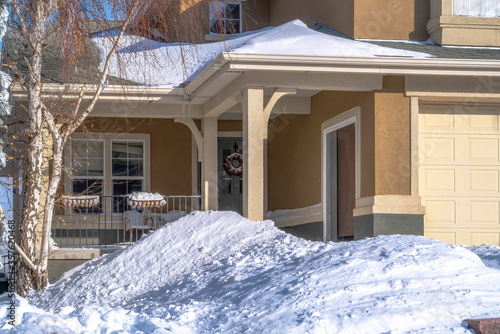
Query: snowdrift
[[219, 272]]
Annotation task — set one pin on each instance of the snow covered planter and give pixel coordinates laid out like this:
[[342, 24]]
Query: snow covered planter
[[81, 201], [230, 168], [146, 200]]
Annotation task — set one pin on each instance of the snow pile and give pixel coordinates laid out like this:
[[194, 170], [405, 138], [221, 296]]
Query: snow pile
[[218, 272], [170, 65], [144, 196]]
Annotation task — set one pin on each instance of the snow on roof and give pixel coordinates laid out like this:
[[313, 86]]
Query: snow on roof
[[171, 65], [212, 272]]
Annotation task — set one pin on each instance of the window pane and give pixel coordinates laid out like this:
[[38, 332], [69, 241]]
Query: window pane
[[95, 167], [135, 150], [232, 27], [216, 10], [135, 167], [216, 27], [232, 11], [134, 186], [79, 148], [120, 187], [79, 167], [119, 150], [87, 187], [119, 167], [95, 149], [79, 187]]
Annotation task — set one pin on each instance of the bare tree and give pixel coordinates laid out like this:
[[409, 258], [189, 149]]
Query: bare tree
[[68, 25]]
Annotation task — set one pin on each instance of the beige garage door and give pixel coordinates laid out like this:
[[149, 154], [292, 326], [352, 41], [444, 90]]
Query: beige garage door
[[459, 175]]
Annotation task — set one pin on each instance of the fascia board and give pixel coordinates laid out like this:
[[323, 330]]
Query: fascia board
[[381, 65]]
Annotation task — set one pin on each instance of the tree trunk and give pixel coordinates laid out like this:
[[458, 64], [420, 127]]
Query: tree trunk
[[55, 177], [33, 172]]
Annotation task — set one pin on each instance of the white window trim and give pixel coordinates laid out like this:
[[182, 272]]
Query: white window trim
[[239, 3], [108, 138], [352, 116]]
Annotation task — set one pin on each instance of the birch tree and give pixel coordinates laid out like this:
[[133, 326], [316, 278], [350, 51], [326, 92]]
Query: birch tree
[[68, 24]]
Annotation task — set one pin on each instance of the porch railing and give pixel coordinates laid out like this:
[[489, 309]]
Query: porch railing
[[114, 221]]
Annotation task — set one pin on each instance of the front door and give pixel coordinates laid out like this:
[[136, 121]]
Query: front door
[[230, 183]]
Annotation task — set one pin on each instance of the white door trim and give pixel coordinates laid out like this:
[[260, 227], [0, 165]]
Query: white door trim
[[352, 116]]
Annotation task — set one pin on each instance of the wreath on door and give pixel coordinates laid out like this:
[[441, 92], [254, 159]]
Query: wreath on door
[[230, 168]]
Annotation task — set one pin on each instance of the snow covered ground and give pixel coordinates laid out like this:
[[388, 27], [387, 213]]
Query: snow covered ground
[[215, 272]]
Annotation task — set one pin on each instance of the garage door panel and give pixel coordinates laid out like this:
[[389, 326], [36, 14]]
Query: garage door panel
[[438, 150], [482, 150], [440, 212], [483, 181], [434, 180], [484, 212], [435, 122], [479, 238], [449, 237]]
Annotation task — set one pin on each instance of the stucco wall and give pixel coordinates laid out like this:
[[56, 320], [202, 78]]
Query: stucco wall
[[294, 150], [392, 139], [337, 14], [391, 19], [170, 149]]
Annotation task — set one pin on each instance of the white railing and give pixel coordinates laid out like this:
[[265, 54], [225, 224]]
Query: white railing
[[112, 220], [476, 8]]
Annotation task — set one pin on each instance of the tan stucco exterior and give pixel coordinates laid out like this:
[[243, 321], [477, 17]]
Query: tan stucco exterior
[[446, 29], [294, 148], [337, 14], [392, 139], [391, 19], [170, 150]]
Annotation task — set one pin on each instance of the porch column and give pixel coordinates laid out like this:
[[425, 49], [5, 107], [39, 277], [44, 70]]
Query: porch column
[[209, 173], [253, 153]]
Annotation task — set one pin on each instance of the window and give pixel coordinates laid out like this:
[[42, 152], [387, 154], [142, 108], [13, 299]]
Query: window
[[225, 18], [111, 165], [476, 8]]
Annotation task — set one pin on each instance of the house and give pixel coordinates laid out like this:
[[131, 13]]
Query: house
[[382, 117]]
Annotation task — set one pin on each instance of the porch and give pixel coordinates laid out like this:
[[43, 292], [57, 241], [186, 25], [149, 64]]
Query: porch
[[113, 220]]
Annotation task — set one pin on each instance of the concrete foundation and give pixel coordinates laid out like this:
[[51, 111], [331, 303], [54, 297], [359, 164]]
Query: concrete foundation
[[386, 224]]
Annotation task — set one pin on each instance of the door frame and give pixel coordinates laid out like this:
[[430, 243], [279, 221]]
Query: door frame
[[352, 116]]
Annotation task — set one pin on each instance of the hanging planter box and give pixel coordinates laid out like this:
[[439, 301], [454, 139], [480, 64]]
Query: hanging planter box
[[81, 201], [146, 200]]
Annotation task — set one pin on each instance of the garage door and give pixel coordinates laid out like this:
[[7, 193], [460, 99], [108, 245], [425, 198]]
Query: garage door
[[459, 175]]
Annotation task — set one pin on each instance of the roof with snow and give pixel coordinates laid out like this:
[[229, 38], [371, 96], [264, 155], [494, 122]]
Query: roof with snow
[[428, 47], [153, 63]]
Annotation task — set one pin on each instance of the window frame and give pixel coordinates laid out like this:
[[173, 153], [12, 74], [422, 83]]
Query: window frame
[[240, 23], [108, 138]]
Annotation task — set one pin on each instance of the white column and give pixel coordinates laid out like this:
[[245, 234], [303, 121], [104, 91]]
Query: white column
[[209, 173], [253, 153]]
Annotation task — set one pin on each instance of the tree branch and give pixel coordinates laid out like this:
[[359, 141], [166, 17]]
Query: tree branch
[[71, 127]]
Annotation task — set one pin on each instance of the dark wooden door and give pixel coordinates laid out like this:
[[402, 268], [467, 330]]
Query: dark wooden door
[[346, 180]]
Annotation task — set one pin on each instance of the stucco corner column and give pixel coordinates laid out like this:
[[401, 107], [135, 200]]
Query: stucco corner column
[[253, 153], [209, 172]]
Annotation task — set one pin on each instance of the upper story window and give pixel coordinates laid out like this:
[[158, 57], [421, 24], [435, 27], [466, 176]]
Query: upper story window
[[476, 8], [225, 18]]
